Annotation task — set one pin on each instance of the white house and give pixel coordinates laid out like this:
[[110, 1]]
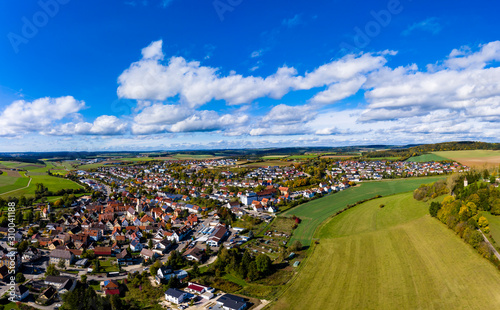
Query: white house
[[175, 296]]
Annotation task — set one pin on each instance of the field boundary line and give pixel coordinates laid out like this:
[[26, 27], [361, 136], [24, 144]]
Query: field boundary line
[[29, 182]]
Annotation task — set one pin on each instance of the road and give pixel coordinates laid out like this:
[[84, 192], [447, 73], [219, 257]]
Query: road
[[490, 245]]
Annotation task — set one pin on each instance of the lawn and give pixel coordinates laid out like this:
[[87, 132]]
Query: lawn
[[315, 212], [494, 221], [474, 158], [426, 158], [396, 257]]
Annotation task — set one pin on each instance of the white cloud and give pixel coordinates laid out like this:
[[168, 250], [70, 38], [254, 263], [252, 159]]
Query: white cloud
[[339, 91], [208, 121], [463, 58], [430, 25], [150, 79], [153, 51], [256, 54], [102, 125], [286, 114], [22, 116]]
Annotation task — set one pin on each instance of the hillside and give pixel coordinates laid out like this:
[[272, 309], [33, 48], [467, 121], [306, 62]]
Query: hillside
[[395, 257]]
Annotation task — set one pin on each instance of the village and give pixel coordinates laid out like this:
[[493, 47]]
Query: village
[[166, 219]]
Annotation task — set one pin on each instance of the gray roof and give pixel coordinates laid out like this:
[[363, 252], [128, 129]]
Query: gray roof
[[61, 254], [174, 292], [231, 301]]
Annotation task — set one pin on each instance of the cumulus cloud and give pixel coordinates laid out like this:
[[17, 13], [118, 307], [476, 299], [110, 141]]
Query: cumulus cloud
[[102, 125], [24, 117], [463, 83], [151, 79]]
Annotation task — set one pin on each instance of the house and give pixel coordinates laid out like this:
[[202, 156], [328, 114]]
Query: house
[[248, 198], [231, 302], [218, 235], [231, 205], [122, 255], [102, 251], [257, 206], [196, 288], [4, 273], [111, 287], [31, 254], [136, 245], [164, 274], [57, 255], [175, 296], [47, 296], [163, 246], [147, 254], [60, 283], [194, 254], [21, 292]]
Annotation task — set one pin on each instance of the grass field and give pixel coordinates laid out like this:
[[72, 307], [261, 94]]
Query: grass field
[[396, 257], [265, 163], [474, 158], [38, 173], [494, 221], [273, 157], [383, 158], [8, 184], [315, 212], [426, 158]]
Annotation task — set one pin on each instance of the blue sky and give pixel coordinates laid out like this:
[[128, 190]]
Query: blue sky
[[183, 74]]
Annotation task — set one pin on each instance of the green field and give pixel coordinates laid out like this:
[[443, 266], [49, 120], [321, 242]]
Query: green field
[[426, 158], [494, 221], [271, 157], [384, 158], [8, 184], [315, 212], [396, 257], [38, 174]]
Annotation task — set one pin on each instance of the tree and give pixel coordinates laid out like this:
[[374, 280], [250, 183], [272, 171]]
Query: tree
[[296, 246], [434, 208], [51, 270], [20, 278], [154, 268], [83, 278], [61, 264], [150, 244], [264, 264], [253, 273], [195, 272]]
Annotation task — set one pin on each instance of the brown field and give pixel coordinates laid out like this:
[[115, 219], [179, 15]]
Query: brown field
[[475, 158], [491, 162], [339, 156], [11, 173]]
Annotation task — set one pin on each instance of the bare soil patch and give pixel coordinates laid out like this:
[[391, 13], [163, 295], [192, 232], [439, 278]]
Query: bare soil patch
[[11, 173]]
